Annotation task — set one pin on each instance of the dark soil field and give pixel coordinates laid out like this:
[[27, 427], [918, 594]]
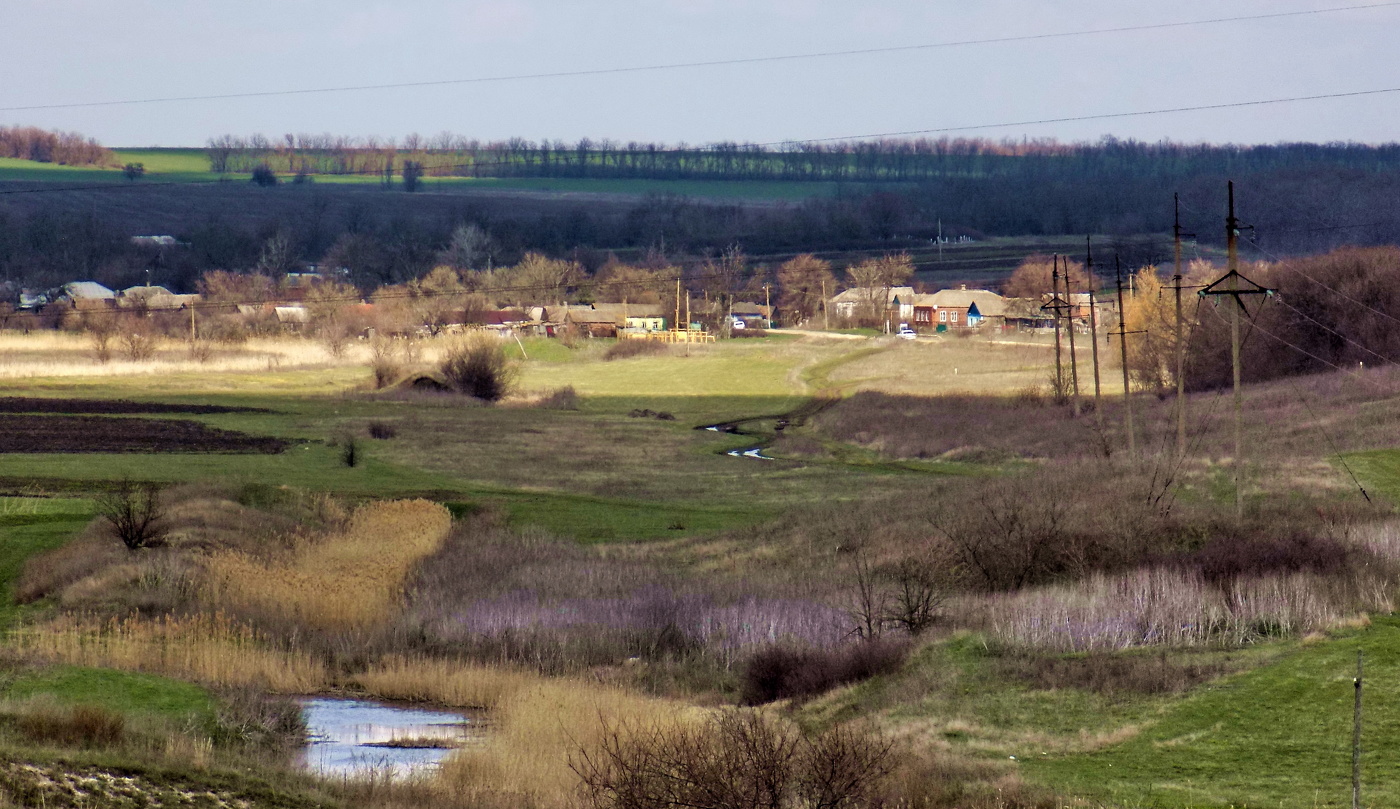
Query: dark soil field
[[52, 433], [24, 404]]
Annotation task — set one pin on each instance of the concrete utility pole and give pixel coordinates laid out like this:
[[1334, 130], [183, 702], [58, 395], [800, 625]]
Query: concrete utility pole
[[1123, 349], [1073, 355], [1230, 285], [826, 320], [1180, 343], [1093, 318]]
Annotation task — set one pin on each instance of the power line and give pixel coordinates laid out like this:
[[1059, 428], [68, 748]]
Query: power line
[[872, 136], [1095, 117], [705, 63]]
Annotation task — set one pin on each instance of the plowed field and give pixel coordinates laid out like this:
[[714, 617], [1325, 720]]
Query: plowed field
[[49, 433]]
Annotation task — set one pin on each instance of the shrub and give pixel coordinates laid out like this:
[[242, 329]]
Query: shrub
[[478, 367], [134, 514], [349, 451], [565, 398], [250, 717], [733, 760], [782, 672], [382, 430], [139, 343], [80, 726], [624, 349], [385, 361], [1228, 557]]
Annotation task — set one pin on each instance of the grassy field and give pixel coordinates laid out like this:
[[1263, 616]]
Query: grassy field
[[647, 516], [192, 166]]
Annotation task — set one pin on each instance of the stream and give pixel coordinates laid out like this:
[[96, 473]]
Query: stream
[[349, 737]]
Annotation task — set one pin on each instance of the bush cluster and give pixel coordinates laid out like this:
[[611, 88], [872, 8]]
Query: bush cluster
[[783, 672]]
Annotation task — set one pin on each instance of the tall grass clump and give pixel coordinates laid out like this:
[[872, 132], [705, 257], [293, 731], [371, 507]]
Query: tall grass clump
[[625, 349], [209, 649], [352, 578], [477, 365]]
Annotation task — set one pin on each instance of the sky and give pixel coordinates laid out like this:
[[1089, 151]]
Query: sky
[[80, 51]]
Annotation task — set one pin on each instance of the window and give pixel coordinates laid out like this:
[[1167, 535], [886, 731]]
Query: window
[[955, 317], [943, 317]]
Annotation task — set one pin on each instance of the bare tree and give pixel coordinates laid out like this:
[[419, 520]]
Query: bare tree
[[803, 281], [134, 514]]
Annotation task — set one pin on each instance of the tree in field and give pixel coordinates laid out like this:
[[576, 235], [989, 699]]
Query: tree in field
[[876, 278], [470, 248], [279, 255], [1034, 278], [264, 176], [134, 514], [434, 301], [1151, 312], [412, 175], [536, 279], [624, 283], [803, 283], [134, 171]]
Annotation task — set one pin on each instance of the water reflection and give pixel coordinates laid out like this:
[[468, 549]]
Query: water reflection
[[348, 736]]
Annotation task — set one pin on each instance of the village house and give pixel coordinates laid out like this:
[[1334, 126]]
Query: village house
[[961, 308], [899, 303]]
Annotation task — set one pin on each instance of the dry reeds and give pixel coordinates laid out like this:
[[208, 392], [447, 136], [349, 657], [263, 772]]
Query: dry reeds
[[353, 578], [210, 649]]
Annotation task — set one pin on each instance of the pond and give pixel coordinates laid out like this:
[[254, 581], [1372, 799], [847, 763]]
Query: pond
[[347, 737]]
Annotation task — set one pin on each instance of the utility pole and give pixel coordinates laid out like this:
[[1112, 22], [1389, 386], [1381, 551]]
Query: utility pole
[[677, 322], [1054, 306], [826, 319], [1123, 350], [1229, 285], [1073, 355], [940, 238], [1093, 318], [767, 308], [1180, 343]]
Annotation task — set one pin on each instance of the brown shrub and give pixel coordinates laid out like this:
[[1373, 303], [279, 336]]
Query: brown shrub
[[79, 726], [624, 349], [565, 398], [50, 572], [478, 366], [382, 430], [781, 672], [734, 760]]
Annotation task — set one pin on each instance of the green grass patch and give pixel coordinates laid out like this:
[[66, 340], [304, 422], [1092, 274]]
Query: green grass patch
[[1276, 736], [31, 525], [127, 692]]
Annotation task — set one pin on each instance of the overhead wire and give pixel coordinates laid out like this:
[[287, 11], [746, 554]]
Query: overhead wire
[[708, 62]]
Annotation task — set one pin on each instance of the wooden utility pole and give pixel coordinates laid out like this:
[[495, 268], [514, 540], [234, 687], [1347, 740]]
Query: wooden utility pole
[[1356, 739], [677, 322], [1073, 354], [1093, 318], [1123, 350], [1180, 343], [1230, 285], [767, 308]]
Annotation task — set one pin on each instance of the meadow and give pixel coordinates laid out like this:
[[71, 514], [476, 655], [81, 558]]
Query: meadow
[[993, 591]]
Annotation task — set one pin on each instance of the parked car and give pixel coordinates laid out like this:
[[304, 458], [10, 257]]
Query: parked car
[[906, 333]]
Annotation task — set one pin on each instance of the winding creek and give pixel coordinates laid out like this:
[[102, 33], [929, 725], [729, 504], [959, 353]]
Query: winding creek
[[350, 737]]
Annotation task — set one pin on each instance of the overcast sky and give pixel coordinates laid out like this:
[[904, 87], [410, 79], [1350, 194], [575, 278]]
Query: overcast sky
[[70, 51]]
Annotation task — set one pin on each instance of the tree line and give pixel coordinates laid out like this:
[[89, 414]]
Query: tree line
[[879, 160], [44, 146]]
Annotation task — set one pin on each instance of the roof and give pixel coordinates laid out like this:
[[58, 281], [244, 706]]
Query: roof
[[864, 294], [145, 292], [989, 303], [88, 290], [746, 308]]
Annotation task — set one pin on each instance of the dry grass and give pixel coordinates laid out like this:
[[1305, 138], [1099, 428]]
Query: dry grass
[[209, 649], [974, 365], [443, 681], [351, 579], [55, 353]]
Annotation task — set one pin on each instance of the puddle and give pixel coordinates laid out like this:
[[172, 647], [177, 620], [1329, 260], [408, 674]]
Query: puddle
[[348, 737], [756, 452]]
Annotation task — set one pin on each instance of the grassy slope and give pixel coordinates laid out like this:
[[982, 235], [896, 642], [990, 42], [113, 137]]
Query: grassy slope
[[29, 526]]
